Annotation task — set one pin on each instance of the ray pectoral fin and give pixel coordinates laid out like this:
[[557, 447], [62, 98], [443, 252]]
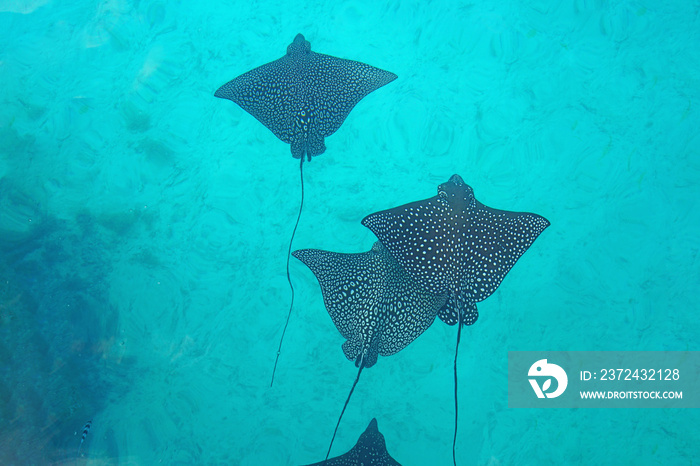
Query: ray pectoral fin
[[350, 82], [223, 92]]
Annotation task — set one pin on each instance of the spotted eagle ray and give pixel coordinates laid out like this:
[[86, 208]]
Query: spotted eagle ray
[[302, 98], [370, 450], [375, 305], [451, 243]]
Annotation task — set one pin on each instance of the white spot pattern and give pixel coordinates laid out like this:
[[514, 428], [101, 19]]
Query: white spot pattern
[[374, 304], [451, 243], [304, 96]]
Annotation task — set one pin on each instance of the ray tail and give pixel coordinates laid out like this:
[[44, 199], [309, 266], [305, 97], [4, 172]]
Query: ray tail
[[362, 365], [289, 278]]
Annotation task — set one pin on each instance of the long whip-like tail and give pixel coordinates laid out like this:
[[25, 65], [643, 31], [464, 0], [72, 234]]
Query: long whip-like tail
[[459, 335], [362, 365], [289, 278]]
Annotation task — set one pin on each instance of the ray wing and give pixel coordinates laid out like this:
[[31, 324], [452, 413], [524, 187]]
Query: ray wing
[[272, 93], [500, 238], [337, 85]]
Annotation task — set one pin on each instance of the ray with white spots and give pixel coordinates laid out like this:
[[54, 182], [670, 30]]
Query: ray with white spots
[[375, 305], [451, 243], [304, 96]]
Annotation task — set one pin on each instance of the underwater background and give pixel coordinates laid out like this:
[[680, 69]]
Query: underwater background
[[144, 226]]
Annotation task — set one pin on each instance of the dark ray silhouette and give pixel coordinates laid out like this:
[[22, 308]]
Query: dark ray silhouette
[[451, 243], [370, 450]]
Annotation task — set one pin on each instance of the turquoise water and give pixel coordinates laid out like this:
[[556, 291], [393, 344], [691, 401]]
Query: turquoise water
[[144, 226]]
